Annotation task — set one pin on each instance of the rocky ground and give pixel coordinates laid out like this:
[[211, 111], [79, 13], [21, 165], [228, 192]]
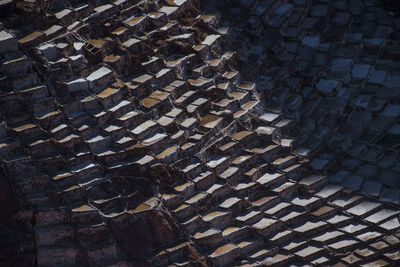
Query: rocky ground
[[199, 133]]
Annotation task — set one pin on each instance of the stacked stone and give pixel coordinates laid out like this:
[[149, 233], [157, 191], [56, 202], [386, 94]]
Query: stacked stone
[[130, 131]]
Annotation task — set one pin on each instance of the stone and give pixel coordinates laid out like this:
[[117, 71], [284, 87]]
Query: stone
[[319, 10], [8, 42], [310, 227], [343, 245], [328, 236], [363, 208], [381, 215], [371, 188], [327, 86], [77, 85], [31, 39], [269, 179], [211, 39], [341, 64], [392, 80], [390, 195], [311, 41], [54, 31], [329, 191], [225, 254], [210, 121], [99, 79], [341, 18], [133, 45], [313, 181], [283, 9], [354, 182], [306, 203], [361, 71], [308, 252], [392, 110], [267, 226], [250, 217], [49, 51], [319, 164], [150, 219], [209, 237], [280, 208], [378, 77], [217, 218]]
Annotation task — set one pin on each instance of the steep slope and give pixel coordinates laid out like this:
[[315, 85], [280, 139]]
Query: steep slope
[[152, 133]]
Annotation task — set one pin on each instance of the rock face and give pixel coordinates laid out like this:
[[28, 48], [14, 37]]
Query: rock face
[[199, 133], [16, 229], [144, 229]]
